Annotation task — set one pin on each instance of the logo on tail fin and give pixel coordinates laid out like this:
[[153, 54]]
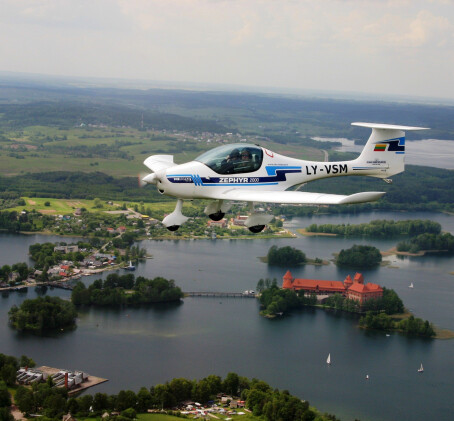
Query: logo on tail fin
[[392, 145]]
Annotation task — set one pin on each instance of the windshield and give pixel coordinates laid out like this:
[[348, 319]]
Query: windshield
[[233, 159]]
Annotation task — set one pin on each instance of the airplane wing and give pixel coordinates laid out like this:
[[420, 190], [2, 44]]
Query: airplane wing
[[294, 197], [159, 162]]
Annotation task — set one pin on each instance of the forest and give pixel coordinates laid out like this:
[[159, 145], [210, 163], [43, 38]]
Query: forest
[[442, 243]]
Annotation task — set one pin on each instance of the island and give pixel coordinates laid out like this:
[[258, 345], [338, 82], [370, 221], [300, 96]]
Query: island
[[377, 307], [43, 315], [119, 290], [359, 256]]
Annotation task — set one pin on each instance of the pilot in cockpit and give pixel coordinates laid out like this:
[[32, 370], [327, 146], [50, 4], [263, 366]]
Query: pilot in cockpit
[[228, 165]]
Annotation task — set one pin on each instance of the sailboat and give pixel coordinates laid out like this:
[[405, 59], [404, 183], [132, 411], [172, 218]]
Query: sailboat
[[130, 267], [411, 285], [367, 376], [420, 369], [328, 360]]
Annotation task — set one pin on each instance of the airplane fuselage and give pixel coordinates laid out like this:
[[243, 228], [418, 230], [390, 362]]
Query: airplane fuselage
[[195, 180]]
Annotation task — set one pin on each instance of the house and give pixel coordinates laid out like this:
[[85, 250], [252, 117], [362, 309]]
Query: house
[[221, 224], [240, 220], [72, 248]]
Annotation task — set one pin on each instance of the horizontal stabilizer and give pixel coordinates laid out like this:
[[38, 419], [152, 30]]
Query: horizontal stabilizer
[[295, 197], [388, 126]]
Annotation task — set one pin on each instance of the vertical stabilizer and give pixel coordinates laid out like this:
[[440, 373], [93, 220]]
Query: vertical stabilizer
[[384, 153]]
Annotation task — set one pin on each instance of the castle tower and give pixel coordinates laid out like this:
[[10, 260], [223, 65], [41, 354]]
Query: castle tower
[[287, 280], [348, 282], [358, 278]]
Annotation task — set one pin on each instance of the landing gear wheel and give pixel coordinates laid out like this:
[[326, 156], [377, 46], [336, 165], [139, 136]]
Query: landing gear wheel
[[173, 227], [257, 228], [216, 216]]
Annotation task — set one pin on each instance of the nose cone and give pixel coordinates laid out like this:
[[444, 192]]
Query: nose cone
[[150, 179]]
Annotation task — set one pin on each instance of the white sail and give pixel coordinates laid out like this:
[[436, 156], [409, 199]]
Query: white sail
[[420, 369], [328, 360], [411, 285]]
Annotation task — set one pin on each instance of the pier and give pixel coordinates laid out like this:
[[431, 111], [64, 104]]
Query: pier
[[89, 380]]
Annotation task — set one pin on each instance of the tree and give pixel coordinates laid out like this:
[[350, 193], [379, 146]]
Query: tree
[[24, 399], [26, 362], [5, 398], [231, 383]]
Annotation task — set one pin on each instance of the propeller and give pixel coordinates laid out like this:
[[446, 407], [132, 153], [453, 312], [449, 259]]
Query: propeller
[[147, 178]]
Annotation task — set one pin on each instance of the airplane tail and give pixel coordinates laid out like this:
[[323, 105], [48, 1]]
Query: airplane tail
[[384, 153]]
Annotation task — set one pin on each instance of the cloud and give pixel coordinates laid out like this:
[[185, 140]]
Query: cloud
[[301, 43]]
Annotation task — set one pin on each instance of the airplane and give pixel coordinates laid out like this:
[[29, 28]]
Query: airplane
[[253, 174]]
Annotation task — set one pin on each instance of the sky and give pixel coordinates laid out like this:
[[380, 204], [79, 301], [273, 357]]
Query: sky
[[398, 47]]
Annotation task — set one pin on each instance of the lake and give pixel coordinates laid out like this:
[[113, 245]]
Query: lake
[[141, 347], [427, 152]]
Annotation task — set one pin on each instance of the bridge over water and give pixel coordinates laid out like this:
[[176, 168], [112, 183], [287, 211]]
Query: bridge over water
[[219, 294]]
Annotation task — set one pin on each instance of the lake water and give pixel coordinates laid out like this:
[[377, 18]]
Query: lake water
[[142, 347], [427, 152]]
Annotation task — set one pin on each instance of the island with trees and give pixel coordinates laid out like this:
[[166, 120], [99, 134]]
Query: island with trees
[[359, 256], [43, 315], [379, 228], [285, 256], [121, 290], [289, 257], [385, 313]]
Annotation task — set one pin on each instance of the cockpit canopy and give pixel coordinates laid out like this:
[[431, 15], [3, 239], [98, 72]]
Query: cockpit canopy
[[233, 159]]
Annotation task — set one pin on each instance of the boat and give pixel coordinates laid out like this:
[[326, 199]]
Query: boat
[[130, 267], [411, 285], [420, 369], [367, 376], [328, 360]]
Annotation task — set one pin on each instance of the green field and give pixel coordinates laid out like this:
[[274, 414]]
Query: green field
[[68, 206], [112, 151]]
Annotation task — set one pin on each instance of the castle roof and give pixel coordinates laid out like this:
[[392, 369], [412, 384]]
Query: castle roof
[[363, 288], [358, 278], [348, 280], [316, 284]]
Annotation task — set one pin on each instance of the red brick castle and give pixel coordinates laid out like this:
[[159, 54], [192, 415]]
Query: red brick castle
[[354, 289]]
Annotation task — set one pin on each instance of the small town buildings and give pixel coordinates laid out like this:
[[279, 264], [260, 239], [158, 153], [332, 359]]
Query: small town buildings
[[240, 220], [67, 249], [353, 289], [221, 224]]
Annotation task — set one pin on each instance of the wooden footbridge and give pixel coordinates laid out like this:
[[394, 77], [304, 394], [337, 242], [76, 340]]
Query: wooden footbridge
[[219, 294]]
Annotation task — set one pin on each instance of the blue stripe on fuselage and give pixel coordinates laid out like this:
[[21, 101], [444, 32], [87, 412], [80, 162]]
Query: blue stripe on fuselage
[[276, 174]]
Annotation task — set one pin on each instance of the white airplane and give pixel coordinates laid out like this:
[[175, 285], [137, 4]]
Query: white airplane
[[250, 173]]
